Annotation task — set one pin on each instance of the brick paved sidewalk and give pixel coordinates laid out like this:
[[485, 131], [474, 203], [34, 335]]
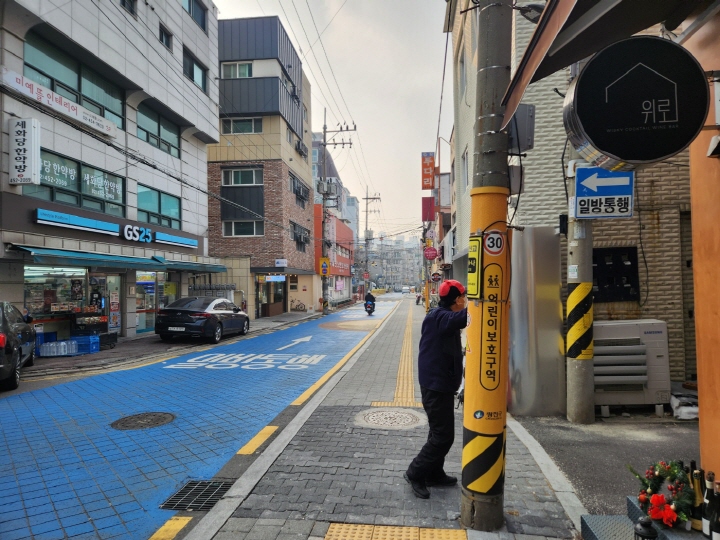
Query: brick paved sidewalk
[[345, 463]]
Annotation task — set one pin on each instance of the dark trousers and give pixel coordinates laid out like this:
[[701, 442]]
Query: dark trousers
[[439, 407]]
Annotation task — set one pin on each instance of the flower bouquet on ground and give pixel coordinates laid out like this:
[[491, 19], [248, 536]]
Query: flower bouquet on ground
[[672, 508]]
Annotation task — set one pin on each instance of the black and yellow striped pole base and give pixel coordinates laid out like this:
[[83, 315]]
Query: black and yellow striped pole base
[[580, 321], [580, 352]]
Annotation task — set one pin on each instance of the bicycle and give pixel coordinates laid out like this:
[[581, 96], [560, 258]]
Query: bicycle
[[297, 305]]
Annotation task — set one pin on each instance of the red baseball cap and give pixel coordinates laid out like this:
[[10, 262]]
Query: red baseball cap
[[445, 287]]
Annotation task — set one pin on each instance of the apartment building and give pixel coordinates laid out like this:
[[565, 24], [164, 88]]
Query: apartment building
[[107, 110], [261, 168]]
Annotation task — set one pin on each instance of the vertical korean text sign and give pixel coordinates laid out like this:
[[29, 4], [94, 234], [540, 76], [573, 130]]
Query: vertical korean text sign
[[24, 151], [428, 170]]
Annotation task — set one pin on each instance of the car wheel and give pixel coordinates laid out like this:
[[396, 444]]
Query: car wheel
[[31, 359], [164, 337], [13, 381], [217, 334], [246, 327]]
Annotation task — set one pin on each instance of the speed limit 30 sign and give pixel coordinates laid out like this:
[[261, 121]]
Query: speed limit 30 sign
[[494, 243]]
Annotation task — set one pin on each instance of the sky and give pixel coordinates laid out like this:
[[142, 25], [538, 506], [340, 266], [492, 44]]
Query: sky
[[378, 64]]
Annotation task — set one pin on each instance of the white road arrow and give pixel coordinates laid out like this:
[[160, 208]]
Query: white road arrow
[[593, 182], [295, 342]]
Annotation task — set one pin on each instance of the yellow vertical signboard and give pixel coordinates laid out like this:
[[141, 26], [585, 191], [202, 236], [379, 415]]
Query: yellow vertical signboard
[[473, 279]]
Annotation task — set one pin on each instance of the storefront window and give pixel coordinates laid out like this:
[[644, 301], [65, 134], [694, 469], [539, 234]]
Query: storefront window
[[55, 290]]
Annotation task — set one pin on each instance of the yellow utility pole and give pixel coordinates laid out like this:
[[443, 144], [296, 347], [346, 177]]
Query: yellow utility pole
[[486, 360]]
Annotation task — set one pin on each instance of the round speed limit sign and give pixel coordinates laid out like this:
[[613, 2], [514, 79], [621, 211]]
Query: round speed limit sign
[[494, 243]]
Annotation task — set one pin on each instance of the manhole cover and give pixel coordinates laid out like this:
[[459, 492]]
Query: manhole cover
[[197, 495], [143, 420], [390, 419]]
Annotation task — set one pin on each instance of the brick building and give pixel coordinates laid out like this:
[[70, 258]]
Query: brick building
[[262, 225]]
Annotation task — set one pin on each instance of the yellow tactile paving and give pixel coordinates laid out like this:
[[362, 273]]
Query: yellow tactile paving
[[346, 531], [442, 534], [405, 386], [396, 404]]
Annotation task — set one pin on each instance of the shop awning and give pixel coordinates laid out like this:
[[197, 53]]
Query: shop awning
[[66, 257], [571, 30], [187, 266]]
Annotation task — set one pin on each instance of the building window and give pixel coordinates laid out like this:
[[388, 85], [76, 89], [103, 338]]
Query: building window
[[197, 11], [300, 189], [243, 228], [236, 70], [158, 131], [242, 125], [194, 71], [71, 182], [158, 208], [316, 153], [315, 171], [50, 67], [165, 37], [289, 135], [242, 177], [129, 5], [300, 235]]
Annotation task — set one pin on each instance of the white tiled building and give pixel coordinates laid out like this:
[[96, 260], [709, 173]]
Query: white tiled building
[[126, 98]]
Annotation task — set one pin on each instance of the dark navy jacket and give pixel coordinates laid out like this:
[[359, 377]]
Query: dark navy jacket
[[440, 362]]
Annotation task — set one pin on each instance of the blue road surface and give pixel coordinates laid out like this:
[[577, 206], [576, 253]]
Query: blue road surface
[[65, 473]]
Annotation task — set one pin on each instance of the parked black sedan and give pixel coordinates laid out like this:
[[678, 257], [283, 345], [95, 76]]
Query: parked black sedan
[[203, 316], [17, 345]]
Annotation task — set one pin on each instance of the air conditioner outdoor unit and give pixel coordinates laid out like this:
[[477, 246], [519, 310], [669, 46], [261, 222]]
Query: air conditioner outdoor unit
[[631, 363]]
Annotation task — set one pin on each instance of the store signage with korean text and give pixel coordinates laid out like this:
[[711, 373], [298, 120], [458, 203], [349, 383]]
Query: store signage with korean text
[[491, 353], [281, 263], [640, 100], [430, 253], [428, 170], [56, 102], [603, 194], [24, 154]]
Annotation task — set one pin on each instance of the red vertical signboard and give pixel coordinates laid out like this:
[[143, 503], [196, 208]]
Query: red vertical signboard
[[428, 170], [428, 208]]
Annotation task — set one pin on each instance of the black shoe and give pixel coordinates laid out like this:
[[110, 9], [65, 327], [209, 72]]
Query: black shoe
[[443, 480], [418, 486]]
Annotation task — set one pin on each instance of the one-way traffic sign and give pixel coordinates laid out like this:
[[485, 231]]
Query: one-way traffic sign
[[600, 193]]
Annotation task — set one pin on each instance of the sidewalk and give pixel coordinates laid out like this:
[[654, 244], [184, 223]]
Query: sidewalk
[[145, 347], [335, 470]]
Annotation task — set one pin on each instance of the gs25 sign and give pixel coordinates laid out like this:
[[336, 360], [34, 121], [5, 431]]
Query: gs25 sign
[[137, 234]]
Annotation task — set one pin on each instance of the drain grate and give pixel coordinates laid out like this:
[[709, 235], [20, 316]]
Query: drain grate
[[143, 421], [197, 495]]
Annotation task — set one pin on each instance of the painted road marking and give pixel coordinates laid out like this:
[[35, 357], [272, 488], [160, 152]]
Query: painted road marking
[[295, 342], [405, 386], [257, 441], [170, 530]]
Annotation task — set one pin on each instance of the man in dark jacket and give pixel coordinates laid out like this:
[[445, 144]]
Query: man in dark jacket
[[440, 369]]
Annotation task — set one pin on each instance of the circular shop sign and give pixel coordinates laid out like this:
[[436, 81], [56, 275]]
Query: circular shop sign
[[431, 253], [493, 243], [638, 101], [435, 277]]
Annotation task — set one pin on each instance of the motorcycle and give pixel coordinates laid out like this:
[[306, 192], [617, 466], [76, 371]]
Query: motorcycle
[[369, 307]]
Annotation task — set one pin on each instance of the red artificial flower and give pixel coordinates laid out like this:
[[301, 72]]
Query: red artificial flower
[[669, 515], [657, 507]]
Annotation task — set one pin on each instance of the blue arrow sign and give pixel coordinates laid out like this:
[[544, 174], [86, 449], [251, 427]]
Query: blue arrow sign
[[600, 193]]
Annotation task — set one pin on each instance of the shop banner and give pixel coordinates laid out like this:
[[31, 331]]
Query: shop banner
[[24, 151], [428, 170]]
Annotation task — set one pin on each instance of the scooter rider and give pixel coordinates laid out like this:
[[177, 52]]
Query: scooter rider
[[370, 298]]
